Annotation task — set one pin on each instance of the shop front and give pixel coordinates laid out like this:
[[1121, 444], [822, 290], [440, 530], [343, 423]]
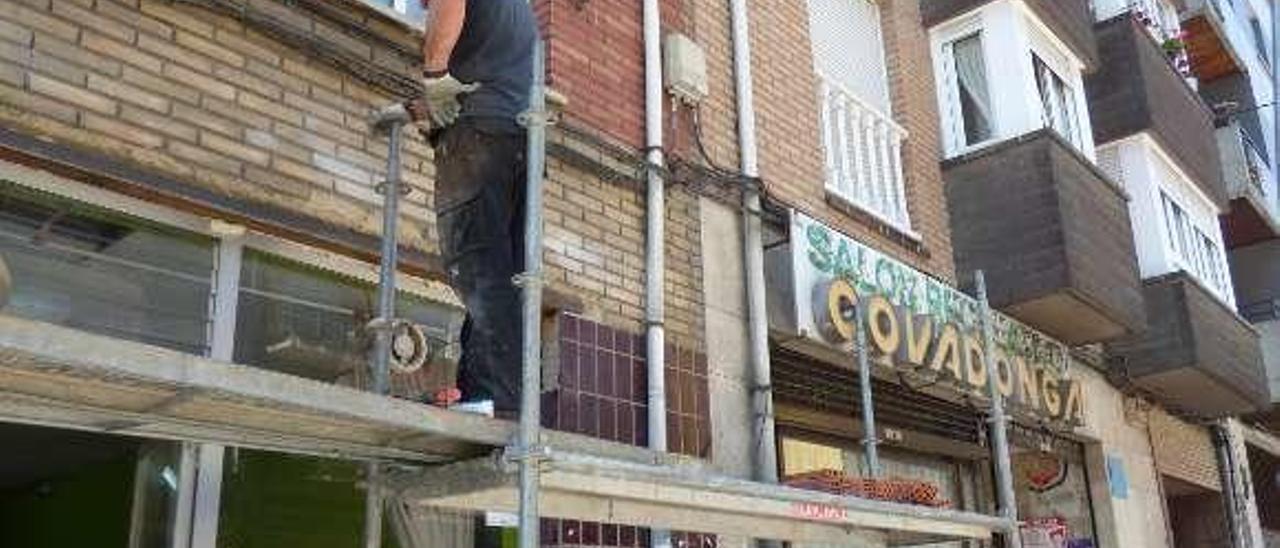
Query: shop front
[[929, 390]]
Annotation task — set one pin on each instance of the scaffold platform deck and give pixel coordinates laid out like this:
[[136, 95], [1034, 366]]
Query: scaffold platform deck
[[60, 377]]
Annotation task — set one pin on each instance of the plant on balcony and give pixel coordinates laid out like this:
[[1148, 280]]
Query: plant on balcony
[[1174, 46]]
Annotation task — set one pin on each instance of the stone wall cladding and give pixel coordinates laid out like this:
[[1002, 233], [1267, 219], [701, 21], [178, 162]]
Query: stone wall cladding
[[787, 110]]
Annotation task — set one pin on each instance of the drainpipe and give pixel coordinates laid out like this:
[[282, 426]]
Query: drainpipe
[[655, 263], [1227, 477], [764, 455]]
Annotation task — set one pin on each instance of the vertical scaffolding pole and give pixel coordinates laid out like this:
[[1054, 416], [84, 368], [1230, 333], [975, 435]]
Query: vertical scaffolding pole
[[870, 444], [531, 281], [391, 119], [999, 421]]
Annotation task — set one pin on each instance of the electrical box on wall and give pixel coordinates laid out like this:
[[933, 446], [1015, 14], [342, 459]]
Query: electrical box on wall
[[684, 68]]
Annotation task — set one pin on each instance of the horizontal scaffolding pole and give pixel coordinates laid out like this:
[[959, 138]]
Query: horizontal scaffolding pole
[[688, 497]]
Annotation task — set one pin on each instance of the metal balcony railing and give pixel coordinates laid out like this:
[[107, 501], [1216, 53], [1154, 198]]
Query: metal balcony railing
[[863, 155], [1255, 167]]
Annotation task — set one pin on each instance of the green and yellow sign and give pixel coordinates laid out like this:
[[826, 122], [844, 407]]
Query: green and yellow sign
[[922, 326]]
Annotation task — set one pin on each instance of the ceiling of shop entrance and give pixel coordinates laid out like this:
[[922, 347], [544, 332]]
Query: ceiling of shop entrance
[[34, 454]]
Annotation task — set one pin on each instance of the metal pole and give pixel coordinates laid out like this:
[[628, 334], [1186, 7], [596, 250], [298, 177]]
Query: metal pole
[[393, 119], [870, 443], [999, 421], [531, 282]]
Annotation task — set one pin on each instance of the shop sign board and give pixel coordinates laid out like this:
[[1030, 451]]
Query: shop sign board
[[921, 326]]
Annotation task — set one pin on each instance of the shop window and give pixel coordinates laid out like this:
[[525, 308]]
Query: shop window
[[958, 483], [1051, 486], [87, 268], [308, 322]]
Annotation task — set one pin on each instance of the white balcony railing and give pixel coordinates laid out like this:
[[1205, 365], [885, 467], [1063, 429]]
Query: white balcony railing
[[863, 155]]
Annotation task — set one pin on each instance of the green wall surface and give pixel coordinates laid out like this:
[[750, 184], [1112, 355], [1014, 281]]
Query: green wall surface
[[87, 508], [272, 500]]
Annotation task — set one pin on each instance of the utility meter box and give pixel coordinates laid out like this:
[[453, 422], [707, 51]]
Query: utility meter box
[[685, 68]]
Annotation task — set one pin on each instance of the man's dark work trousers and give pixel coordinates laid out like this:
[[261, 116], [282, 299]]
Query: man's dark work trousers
[[480, 191]]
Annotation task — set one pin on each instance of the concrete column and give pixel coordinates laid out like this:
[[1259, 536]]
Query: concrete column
[[725, 309]]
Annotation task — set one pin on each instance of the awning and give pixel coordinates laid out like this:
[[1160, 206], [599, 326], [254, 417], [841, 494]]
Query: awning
[[60, 377], [682, 496]]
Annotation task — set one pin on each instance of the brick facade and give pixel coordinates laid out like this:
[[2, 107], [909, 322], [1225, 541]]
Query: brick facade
[[211, 100], [791, 160]]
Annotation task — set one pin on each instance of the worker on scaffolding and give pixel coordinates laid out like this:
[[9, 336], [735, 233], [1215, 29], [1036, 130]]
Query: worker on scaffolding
[[477, 78]]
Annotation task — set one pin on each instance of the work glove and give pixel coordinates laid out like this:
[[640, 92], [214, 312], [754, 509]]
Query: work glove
[[440, 95]]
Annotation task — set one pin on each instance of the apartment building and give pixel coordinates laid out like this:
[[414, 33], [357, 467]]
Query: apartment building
[[192, 184]]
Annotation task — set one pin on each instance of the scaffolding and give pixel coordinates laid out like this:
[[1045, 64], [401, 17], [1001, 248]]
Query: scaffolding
[[55, 376]]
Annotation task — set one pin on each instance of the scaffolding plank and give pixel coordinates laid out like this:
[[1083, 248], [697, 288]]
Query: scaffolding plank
[[63, 377]]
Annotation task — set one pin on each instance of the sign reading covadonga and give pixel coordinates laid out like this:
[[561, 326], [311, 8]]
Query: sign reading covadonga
[[922, 326]]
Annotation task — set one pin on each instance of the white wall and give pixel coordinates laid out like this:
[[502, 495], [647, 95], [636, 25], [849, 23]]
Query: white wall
[[1138, 520]]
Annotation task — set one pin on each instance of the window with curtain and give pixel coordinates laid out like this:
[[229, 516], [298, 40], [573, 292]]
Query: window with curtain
[[973, 89], [1057, 101]]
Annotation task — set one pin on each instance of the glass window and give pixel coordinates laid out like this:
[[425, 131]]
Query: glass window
[[413, 10], [308, 322], [1195, 250], [1052, 489], [91, 269], [974, 93], [1058, 102]]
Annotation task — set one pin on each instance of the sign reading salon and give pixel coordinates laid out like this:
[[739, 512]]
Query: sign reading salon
[[921, 326]]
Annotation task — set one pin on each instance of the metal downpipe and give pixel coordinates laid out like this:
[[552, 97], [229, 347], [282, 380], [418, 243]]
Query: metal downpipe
[[1230, 495], [654, 254], [764, 454], [1005, 496]]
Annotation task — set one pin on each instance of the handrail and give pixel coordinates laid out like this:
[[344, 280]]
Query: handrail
[[863, 155], [862, 103]]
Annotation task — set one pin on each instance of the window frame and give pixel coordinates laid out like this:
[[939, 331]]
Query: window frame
[[1192, 248], [954, 139], [1017, 108], [201, 472]]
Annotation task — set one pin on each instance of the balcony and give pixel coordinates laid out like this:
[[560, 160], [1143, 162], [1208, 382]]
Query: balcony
[[1051, 233], [863, 150], [1196, 355], [1208, 41], [1254, 216], [1070, 20], [1138, 90]]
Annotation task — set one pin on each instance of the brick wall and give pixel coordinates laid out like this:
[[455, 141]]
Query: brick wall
[[204, 98], [791, 147], [195, 95]]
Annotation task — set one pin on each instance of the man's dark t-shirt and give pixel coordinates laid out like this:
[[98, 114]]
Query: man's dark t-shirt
[[496, 51]]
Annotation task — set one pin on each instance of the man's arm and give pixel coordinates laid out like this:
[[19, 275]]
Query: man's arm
[[444, 26]]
